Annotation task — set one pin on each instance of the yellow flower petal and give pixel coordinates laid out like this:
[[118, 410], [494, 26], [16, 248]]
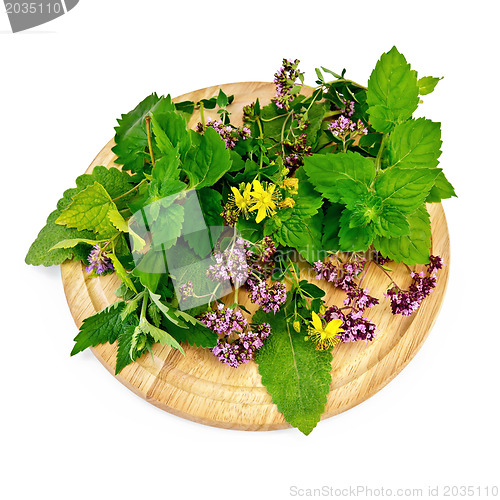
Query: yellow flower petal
[[333, 327], [257, 186], [316, 321], [261, 214]]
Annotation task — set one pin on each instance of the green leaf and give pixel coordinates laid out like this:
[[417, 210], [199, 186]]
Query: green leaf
[[197, 335], [339, 175], [353, 239], [315, 116], [415, 143], [405, 188], [122, 273], [441, 190], [295, 374], [125, 339], [392, 91], [159, 335], [165, 309], [331, 227], [382, 118], [72, 243], [413, 248], [131, 137], [104, 326], [222, 99], [208, 162], [90, 211], [166, 172], [117, 220], [170, 131], [370, 143], [114, 181], [273, 119], [391, 222], [211, 206], [427, 84], [155, 314], [311, 289], [304, 235]]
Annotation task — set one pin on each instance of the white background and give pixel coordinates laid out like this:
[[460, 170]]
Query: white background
[[69, 429]]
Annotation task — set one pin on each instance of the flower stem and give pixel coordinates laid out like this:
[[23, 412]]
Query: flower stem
[[387, 274]]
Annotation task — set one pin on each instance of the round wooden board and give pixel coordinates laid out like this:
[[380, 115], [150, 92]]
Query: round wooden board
[[200, 388]]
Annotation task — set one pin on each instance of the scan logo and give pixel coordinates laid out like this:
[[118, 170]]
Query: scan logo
[[24, 15]]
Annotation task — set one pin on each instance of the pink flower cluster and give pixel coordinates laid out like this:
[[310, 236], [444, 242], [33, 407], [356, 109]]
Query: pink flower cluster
[[229, 134], [355, 326], [232, 263], [99, 261], [406, 302], [237, 344]]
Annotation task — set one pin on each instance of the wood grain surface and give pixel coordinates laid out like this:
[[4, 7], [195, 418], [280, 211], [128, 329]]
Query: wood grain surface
[[200, 388]]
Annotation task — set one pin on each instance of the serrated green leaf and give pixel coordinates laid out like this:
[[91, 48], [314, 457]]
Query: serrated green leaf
[[427, 84], [392, 85], [209, 162], [441, 190], [131, 306], [405, 188], [89, 211], [303, 235], [197, 335], [131, 136], [354, 239], [117, 220], [104, 326], [170, 131], [155, 314], [382, 118], [392, 222], [72, 243], [159, 335], [413, 248], [166, 172], [335, 175], [166, 310], [295, 374], [415, 143], [116, 184], [122, 273], [125, 339]]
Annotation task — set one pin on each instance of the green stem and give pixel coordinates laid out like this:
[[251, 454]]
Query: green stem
[[150, 144], [130, 190], [271, 119], [144, 306], [236, 290], [202, 115], [378, 160]]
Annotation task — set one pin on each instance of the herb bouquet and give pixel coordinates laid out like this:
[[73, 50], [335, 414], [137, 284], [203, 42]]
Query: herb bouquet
[[227, 237]]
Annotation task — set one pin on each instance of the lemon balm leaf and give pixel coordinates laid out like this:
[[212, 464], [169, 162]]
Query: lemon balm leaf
[[295, 374]]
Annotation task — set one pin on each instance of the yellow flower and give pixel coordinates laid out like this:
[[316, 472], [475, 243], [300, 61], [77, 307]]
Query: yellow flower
[[324, 337], [287, 203], [241, 201], [264, 200], [292, 184]]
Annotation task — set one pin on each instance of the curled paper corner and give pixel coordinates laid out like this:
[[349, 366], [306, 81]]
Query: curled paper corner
[[23, 16]]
